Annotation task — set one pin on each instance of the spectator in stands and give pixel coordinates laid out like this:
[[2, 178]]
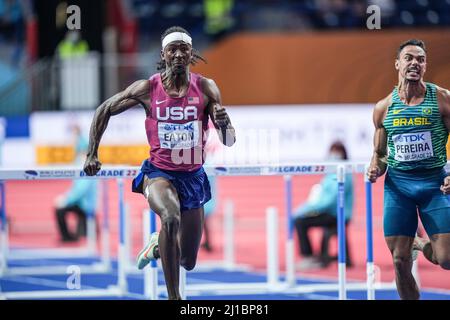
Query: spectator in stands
[[320, 210], [73, 45], [218, 18], [12, 29], [80, 199]]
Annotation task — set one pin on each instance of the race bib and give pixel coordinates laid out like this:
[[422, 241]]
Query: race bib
[[413, 146], [178, 136]]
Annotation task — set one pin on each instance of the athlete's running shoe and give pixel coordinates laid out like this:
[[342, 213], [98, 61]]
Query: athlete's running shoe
[[148, 253]]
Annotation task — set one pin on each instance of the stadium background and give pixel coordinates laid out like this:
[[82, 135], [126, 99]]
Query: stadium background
[[311, 65]]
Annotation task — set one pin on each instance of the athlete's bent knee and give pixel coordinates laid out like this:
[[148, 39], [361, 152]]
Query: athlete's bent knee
[[188, 263], [402, 263], [171, 223]]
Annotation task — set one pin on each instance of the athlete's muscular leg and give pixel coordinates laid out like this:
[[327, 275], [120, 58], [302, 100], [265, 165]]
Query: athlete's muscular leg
[[163, 199], [441, 249], [191, 236], [400, 247], [437, 249]]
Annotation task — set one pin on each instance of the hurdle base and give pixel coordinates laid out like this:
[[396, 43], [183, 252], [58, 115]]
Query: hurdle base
[[3, 268], [61, 294], [121, 289], [96, 268], [245, 288], [57, 253], [208, 266]]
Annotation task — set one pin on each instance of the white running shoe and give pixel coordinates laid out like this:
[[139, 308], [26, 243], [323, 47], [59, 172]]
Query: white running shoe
[[147, 254]]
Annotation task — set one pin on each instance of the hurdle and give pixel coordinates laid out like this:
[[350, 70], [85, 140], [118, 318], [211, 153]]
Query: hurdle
[[151, 273], [272, 284], [228, 260], [120, 289], [251, 170], [369, 239], [89, 251], [341, 232], [290, 254], [289, 286], [343, 285]]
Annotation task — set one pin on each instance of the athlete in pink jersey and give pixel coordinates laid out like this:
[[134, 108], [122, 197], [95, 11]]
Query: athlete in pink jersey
[[177, 126], [178, 104]]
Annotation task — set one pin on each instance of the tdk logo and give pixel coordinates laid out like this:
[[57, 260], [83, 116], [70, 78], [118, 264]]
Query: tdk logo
[[411, 138]]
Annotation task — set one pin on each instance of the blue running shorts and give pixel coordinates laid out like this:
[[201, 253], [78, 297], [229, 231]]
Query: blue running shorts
[[192, 187], [409, 192]]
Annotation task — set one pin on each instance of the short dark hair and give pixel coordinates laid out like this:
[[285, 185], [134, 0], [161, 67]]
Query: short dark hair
[[411, 42], [161, 65], [338, 145]]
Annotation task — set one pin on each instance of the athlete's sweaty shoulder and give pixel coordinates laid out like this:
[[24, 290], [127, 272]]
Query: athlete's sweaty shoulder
[[210, 89], [443, 98], [380, 110]]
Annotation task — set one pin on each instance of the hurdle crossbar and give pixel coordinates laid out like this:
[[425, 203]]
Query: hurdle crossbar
[[272, 283], [109, 172], [248, 170]]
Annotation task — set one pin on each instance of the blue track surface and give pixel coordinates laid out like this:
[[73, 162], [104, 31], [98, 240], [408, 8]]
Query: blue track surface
[[10, 283]]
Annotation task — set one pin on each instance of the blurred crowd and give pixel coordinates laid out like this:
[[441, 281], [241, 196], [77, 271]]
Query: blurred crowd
[[12, 30], [285, 15], [141, 22], [209, 20]]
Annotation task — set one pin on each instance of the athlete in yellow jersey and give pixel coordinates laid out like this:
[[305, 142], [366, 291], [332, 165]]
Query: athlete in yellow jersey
[[411, 132]]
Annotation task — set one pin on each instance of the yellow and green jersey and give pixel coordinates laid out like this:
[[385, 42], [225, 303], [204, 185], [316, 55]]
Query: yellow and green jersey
[[416, 135]]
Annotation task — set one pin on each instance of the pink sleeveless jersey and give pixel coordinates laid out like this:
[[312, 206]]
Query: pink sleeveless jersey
[[177, 127]]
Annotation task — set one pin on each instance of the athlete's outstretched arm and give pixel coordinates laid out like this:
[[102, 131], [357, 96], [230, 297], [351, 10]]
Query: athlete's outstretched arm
[[218, 114], [443, 96], [116, 104], [378, 163]]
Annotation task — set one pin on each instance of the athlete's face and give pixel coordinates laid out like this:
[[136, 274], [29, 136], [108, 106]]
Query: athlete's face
[[411, 63], [177, 56]]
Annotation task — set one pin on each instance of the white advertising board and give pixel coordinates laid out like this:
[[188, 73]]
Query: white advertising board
[[265, 134]]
